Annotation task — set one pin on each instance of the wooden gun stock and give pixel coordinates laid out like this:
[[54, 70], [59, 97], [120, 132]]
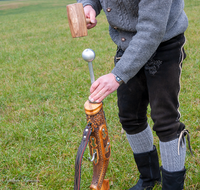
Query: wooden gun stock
[[99, 144]]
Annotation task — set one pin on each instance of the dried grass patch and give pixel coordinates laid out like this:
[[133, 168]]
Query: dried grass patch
[[14, 5]]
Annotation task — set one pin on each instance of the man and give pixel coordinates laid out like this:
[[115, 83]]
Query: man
[[149, 35]]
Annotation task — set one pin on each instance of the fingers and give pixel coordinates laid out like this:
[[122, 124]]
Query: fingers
[[102, 87], [92, 25], [102, 95], [96, 90], [99, 95], [91, 14]]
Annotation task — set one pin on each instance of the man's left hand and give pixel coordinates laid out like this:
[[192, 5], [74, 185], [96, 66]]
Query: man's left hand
[[102, 87]]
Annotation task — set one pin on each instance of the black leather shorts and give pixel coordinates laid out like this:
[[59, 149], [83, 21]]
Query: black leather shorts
[[157, 84]]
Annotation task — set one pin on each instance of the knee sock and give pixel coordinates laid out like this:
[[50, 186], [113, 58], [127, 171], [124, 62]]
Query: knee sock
[[141, 142], [171, 161]]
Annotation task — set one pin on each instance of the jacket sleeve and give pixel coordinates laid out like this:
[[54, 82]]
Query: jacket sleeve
[[153, 16], [94, 3]]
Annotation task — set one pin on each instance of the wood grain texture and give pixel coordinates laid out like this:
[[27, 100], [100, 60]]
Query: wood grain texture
[[76, 19]]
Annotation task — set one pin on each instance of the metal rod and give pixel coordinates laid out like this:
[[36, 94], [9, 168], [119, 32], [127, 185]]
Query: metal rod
[[91, 72]]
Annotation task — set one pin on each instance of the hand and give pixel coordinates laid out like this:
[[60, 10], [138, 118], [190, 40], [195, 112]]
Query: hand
[[102, 87], [91, 14]]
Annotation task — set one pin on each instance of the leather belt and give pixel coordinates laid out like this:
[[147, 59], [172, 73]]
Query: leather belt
[[79, 156]]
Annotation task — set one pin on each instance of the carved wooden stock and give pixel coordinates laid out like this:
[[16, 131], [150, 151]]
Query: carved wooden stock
[[99, 144]]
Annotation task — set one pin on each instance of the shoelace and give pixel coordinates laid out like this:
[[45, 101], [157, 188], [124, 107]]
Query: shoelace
[[181, 140]]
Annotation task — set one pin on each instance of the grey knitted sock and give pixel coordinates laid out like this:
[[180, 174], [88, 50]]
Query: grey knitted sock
[[171, 161], [141, 142]]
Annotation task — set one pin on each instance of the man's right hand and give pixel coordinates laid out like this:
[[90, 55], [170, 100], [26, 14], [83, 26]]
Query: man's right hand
[[91, 14]]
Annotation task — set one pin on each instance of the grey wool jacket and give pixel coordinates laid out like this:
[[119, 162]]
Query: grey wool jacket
[[138, 27]]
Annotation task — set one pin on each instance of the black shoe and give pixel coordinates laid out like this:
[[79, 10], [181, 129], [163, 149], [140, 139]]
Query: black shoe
[[148, 166], [173, 180]]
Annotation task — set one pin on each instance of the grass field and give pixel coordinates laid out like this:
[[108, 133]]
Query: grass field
[[44, 85]]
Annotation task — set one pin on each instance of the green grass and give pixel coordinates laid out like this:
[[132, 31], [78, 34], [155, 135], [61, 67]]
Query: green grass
[[44, 85]]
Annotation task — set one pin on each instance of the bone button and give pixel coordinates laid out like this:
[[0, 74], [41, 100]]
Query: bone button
[[115, 28], [108, 9], [123, 39]]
